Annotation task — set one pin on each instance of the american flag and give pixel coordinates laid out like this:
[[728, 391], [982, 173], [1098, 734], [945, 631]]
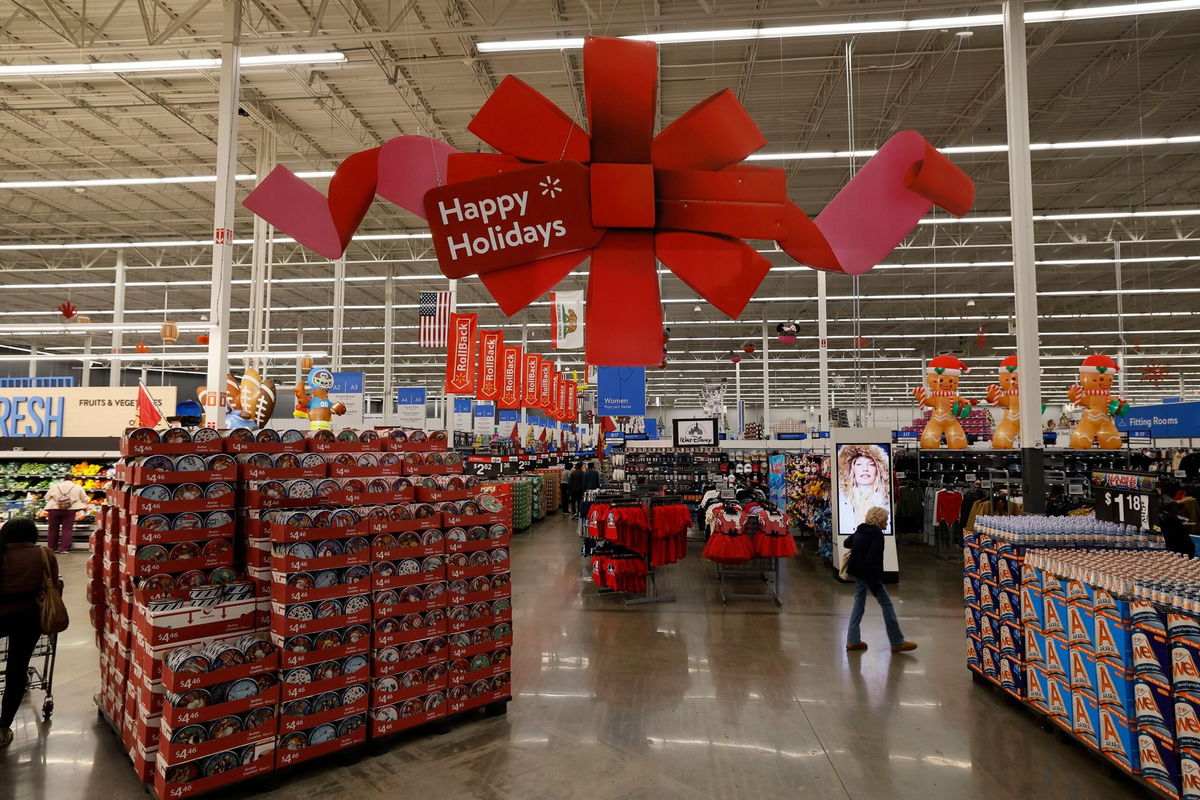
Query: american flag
[[434, 319]]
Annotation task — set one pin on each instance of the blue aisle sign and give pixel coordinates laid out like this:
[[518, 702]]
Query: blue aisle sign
[[1167, 421], [485, 418], [347, 383], [410, 407], [621, 392], [651, 428]]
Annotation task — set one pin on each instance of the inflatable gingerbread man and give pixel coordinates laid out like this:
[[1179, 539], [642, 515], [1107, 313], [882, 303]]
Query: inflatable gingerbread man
[[1006, 395], [948, 408], [1093, 394]]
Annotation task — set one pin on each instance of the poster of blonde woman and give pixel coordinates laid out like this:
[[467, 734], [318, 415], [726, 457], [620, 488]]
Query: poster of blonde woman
[[864, 481]]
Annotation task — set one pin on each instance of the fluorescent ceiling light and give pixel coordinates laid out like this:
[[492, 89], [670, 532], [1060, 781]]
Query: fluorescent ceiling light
[[375, 237], [176, 65], [269, 356], [97, 327], [379, 237], [856, 28], [145, 181], [1099, 144]]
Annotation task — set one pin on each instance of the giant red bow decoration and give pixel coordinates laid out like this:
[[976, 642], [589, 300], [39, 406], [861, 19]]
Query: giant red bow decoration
[[522, 219]]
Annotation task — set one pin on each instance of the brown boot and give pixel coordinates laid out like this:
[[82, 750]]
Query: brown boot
[[850, 648], [904, 648]]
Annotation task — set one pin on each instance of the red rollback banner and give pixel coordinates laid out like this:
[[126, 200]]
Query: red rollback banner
[[555, 390], [531, 369], [545, 378], [491, 346], [460, 354], [572, 405], [511, 361], [560, 407]]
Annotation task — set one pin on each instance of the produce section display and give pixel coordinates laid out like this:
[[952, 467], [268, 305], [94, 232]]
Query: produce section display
[[260, 599]]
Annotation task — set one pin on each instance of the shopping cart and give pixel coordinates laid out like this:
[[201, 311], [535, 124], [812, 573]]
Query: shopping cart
[[41, 669]]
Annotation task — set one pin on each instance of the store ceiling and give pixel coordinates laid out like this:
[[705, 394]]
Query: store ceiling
[[414, 68]]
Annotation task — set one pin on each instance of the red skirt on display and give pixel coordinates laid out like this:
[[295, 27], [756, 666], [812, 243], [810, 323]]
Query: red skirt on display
[[729, 548], [771, 544]]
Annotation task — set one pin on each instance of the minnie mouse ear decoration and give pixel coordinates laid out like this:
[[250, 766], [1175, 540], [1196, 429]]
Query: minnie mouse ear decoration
[[787, 332], [554, 194]]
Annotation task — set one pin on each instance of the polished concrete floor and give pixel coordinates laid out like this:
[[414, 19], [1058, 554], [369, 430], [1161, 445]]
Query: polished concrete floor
[[683, 700]]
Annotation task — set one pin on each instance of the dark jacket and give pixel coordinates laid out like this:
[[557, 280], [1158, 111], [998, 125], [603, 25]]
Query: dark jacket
[[575, 483], [591, 479], [1175, 536], [21, 576], [866, 554]]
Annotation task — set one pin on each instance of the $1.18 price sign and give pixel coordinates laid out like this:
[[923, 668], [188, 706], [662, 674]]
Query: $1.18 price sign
[[1130, 508]]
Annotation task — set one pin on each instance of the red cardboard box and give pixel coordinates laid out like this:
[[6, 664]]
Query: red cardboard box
[[163, 787], [288, 757], [239, 446], [140, 476], [386, 727], [129, 448]]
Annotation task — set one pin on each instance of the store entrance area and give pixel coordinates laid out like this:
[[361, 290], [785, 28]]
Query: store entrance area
[[682, 700]]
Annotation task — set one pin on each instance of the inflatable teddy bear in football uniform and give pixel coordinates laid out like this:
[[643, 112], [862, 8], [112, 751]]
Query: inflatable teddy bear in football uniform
[[941, 378], [1093, 394]]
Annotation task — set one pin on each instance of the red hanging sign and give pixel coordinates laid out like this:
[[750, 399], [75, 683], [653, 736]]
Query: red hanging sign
[[510, 376], [510, 218], [491, 344], [545, 376], [460, 354], [555, 390], [572, 401], [553, 195], [529, 374]]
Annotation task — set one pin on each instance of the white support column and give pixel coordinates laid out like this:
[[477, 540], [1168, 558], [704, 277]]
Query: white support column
[[260, 254], [449, 401], [118, 316], [737, 387], [1024, 270], [389, 391], [766, 357], [299, 349], [222, 268], [33, 351], [521, 369], [823, 347], [1120, 320], [339, 311], [85, 375]]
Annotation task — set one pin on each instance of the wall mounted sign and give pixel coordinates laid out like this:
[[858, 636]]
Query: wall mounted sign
[[694, 432]]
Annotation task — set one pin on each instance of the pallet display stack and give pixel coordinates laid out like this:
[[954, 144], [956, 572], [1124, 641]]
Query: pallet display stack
[[259, 598], [551, 487], [1092, 625], [522, 502], [320, 620]]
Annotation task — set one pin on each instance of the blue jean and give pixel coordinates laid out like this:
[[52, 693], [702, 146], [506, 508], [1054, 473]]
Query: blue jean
[[853, 635]]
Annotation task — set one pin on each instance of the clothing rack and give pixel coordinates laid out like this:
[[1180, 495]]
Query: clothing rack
[[625, 499], [771, 571]]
